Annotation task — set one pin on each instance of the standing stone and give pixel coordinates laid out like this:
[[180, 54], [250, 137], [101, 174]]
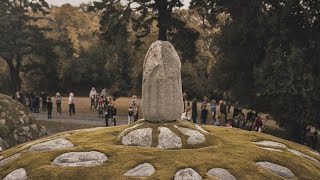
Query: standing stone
[[19, 174], [161, 85]]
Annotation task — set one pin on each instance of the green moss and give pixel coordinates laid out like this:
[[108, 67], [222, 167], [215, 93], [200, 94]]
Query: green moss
[[231, 149]]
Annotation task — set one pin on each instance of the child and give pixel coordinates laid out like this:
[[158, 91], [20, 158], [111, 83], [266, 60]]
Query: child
[[49, 107]]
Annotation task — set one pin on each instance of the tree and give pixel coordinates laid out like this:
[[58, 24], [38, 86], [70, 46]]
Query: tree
[[19, 37], [269, 58]]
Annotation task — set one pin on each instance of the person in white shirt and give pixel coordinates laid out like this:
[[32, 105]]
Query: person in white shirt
[[71, 104]]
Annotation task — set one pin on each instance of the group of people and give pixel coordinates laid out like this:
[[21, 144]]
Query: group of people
[[34, 102], [250, 121], [106, 107]]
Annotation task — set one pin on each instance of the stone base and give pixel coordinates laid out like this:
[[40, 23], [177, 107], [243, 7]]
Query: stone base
[[173, 135]]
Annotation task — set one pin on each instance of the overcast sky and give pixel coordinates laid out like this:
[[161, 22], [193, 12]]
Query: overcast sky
[[77, 2]]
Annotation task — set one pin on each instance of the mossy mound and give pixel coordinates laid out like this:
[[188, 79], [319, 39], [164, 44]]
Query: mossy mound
[[230, 149], [16, 126]]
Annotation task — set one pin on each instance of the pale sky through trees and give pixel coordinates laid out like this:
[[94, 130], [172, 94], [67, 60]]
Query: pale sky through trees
[[78, 2]]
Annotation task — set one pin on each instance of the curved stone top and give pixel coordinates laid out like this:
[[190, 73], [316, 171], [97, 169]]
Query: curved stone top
[[161, 85], [19, 174], [277, 169]]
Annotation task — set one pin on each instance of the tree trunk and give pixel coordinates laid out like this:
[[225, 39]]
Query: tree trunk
[[14, 77], [163, 18]]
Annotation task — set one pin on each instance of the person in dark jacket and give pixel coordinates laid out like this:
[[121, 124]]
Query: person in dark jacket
[[36, 103], [49, 107], [223, 110], [44, 101], [204, 114], [194, 110]]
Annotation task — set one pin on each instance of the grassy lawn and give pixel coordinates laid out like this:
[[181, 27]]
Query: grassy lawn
[[227, 148]]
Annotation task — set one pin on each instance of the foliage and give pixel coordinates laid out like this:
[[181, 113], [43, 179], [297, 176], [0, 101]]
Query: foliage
[[269, 58]]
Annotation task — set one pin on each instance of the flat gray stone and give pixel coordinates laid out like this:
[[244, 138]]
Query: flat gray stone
[[187, 174], [298, 153], [271, 149], [19, 174], [271, 144], [59, 143], [92, 158], [201, 129], [143, 170], [9, 159], [161, 84], [138, 137], [124, 132], [168, 139], [277, 169], [221, 174], [195, 137]]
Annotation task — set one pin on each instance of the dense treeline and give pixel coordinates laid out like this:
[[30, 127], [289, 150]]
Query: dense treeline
[[269, 55]]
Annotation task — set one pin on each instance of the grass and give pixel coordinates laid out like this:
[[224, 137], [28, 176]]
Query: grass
[[231, 149]]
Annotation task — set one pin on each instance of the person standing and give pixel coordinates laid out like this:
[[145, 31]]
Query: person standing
[[130, 115], [58, 102], [49, 107], [71, 104], [44, 100], [204, 114], [185, 96], [223, 110], [194, 110], [92, 96], [213, 110]]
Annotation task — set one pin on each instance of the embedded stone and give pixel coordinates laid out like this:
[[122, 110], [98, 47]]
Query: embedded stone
[[168, 139], [314, 153], [271, 149], [277, 169], [201, 129], [271, 144], [138, 137], [187, 174], [92, 158], [195, 137], [143, 170], [9, 159], [298, 153], [19, 174], [128, 130], [59, 143], [221, 174], [3, 114], [2, 122], [161, 84]]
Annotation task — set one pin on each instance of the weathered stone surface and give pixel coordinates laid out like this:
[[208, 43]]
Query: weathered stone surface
[[277, 169], [298, 153], [271, 144], [168, 139], [195, 137], [187, 174], [3, 114], [221, 174], [2, 122], [271, 149], [9, 159], [143, 170], [128, 130], [0, 148], [92, 158], [161, 85], [138, 137], [19, 174], [1, 157], [201, 129], [59, 143]]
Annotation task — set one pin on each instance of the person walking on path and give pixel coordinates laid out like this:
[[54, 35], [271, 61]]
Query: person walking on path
[[49, 107], [194, 110], [72, 110], [58, 102], [223, 110]]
